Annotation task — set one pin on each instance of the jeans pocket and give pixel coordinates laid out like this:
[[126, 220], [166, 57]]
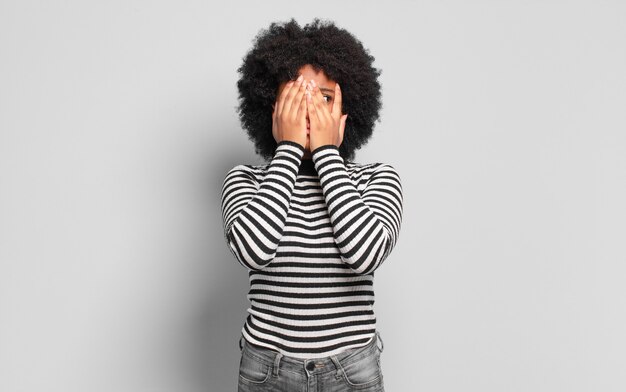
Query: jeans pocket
[[252, 370], [380, 347], [363, 372]]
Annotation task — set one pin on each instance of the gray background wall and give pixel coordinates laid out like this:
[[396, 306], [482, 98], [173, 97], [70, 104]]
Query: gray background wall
[[505, 120]]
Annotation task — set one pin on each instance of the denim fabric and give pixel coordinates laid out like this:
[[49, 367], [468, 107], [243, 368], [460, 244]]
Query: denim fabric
[[357, 369]]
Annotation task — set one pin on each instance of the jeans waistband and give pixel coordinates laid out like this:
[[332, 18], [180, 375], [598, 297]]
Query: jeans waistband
[[320, 364]]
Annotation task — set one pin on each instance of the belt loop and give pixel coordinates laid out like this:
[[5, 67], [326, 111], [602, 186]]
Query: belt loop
[[337, 365], [240, 343], [382, 344], [277, 363]]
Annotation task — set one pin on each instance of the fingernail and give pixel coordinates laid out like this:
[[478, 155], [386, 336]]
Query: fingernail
[[338, 86], [313, 83], [299, 78]]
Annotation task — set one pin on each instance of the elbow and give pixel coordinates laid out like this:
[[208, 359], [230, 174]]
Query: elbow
[[366, 261], [249, 257]]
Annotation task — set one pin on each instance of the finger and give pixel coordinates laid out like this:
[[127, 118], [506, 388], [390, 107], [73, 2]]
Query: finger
[[342, 127], [298, 100], [302, 110], [336, 110], [310, 106], [281, 98], [289, 100], [320, 104]]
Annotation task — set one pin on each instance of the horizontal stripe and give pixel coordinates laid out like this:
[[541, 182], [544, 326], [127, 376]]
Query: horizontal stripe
[[311, 240]]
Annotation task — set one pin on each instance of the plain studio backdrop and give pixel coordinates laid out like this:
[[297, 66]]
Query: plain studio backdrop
[[505, 120]]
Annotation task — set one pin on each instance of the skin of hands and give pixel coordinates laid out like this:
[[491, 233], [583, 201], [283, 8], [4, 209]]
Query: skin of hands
[[311, 122], [289, 115], [327, 126]]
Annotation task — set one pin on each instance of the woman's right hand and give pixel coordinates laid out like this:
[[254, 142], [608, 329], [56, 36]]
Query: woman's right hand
[[289, 116]]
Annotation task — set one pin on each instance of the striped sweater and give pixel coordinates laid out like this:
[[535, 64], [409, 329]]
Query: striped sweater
[[311, 233]]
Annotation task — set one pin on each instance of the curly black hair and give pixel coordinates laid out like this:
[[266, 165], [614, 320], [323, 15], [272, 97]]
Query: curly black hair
[[277, 55]]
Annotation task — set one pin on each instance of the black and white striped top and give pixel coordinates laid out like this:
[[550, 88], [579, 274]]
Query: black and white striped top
[[311, 232]]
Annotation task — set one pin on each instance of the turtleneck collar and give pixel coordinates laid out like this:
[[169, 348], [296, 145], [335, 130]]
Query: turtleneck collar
[[307, 167]]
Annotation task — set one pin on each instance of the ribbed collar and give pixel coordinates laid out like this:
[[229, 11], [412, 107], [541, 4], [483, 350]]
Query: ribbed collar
[[307, 167]]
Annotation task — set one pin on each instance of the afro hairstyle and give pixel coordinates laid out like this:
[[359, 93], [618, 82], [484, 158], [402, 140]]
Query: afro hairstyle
[[276, 56]]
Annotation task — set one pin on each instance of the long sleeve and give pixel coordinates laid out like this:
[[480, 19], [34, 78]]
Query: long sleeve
[[366, 227], [254, 213]]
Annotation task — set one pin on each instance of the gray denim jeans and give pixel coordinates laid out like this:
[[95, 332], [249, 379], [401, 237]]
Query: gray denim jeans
[[357, 369]]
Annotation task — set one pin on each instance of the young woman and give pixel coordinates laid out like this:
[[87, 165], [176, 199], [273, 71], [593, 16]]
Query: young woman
[[311, 226]]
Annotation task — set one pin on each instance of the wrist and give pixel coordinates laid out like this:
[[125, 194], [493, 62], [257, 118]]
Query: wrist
[[290, 143], [315, 149]]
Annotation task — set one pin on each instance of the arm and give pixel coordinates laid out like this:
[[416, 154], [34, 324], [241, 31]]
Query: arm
[[366, 227], [254, 213]]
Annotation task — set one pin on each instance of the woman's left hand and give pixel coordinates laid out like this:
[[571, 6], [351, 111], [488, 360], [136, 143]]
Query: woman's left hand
[[326, 127]]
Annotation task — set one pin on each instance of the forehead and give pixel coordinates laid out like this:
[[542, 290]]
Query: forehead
[[308, 72]]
